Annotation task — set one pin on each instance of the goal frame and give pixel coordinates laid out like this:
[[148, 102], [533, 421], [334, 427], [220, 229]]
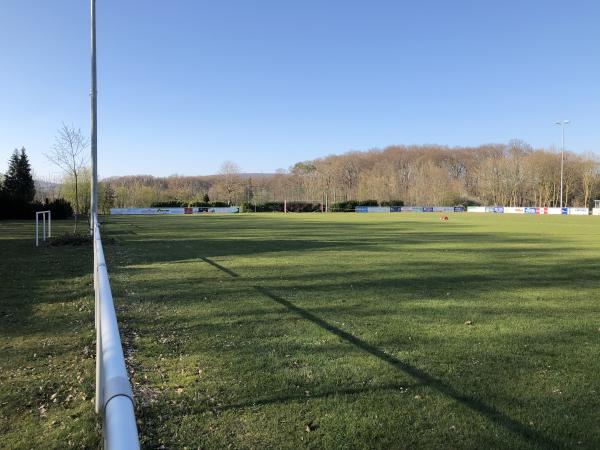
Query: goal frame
[[45, 235]]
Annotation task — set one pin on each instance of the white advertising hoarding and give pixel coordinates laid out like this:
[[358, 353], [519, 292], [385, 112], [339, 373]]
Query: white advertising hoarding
[[145, 211], [160, 211], [514, 210], [579, 211], [532, 210], [554, 211]]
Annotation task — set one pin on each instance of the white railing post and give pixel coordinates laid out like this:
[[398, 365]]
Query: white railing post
[[114, 397]]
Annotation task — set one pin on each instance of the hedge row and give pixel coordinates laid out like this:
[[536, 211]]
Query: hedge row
[[59, 208], [279, 207], [348, 206]]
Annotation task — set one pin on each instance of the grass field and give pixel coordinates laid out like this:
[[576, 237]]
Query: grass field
[[46, 342], [315, 331]]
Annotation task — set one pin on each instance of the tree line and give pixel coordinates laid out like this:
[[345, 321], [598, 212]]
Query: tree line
[[513, 174]]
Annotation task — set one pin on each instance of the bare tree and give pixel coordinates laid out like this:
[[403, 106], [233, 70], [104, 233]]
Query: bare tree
[[492, 174], [589, 177], [68, 153], [230, 179]]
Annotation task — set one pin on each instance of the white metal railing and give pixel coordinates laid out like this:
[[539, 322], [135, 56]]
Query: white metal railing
[[114, 397]]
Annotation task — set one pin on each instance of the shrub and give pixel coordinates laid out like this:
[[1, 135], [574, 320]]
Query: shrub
[[347, 206], [169, 204], [208, 204], [367, 203], [392, 203], [75, 239], [59, 208]]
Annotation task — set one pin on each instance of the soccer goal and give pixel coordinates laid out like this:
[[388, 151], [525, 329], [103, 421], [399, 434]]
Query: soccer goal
[[46, 231]]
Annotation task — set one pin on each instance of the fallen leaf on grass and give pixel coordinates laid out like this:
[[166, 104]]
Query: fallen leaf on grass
[[469, 322], [310, 426]]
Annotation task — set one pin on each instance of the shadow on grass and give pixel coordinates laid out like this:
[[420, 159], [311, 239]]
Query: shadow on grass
[[220, 267], [38, 277], [422, 377]]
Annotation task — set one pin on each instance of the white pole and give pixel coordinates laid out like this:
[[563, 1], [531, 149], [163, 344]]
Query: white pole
[[562, 164], [562, 123], [37, 243], [94, 122], [49, 223], [44, 227]]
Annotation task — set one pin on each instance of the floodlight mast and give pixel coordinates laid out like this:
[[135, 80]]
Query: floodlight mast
[[562, 157], [94, 122]]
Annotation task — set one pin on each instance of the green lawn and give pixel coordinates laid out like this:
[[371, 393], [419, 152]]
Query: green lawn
[[46, 342], [317, 331]]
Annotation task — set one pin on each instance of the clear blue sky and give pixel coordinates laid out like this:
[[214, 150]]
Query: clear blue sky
[[187, 84]]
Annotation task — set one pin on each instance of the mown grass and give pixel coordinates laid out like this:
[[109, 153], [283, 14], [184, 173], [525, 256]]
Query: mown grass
[[46, 342], [349, 331], [315, 331]]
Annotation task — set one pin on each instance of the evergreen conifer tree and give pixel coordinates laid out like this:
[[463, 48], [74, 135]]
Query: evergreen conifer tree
[[11, 181], [19, 187], [26, 185]]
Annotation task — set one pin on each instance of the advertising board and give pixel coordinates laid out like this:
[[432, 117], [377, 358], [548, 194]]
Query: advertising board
[[372, 209], [579, 211], [514, 210], [161, 211]]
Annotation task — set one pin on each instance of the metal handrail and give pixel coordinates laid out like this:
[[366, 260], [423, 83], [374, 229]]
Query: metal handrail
[[114, 397]]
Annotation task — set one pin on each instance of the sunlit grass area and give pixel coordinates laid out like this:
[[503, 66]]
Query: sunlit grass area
[[46, 342], [361, 331], [312, 331]]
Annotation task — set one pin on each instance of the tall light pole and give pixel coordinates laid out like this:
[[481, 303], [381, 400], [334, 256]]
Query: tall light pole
[[562, 124], [94, 120]]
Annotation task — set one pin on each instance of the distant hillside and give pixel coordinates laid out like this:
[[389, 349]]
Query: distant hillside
[[45, 185]]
